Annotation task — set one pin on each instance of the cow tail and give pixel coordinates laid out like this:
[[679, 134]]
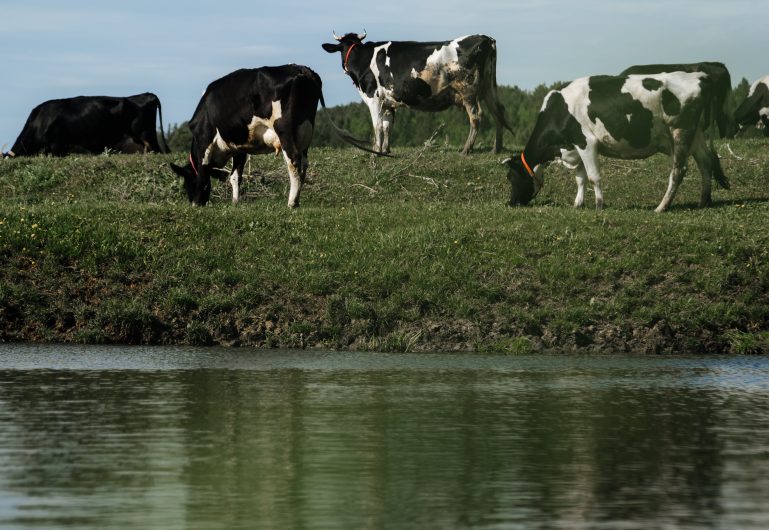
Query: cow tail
[[346, 135], [162, 134], [492, 92], [712, 112]]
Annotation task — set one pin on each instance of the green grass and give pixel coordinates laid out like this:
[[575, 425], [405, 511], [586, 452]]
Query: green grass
[[415, 253]]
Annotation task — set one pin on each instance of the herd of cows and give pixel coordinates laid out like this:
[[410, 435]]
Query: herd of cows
[[672, 109]]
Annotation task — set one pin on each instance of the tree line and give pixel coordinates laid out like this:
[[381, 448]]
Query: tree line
[[414, 128]]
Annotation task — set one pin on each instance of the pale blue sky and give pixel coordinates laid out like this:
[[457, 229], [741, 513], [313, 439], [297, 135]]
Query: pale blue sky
[[53, 49]]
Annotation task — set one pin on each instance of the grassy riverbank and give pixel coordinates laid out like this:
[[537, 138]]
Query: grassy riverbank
[[415, 253]]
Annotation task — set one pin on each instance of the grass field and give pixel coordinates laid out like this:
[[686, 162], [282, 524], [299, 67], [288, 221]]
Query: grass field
[[414, 253]]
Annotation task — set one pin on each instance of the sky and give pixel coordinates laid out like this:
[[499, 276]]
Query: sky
[[53, 49]]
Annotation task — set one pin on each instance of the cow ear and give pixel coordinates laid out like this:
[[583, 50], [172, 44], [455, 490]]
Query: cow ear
[[179, 170], [332, 48]]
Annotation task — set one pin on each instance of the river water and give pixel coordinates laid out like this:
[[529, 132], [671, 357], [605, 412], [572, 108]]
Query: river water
[[122, 437]]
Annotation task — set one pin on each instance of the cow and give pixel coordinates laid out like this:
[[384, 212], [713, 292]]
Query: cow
[[91, 124], [428, 76], [630, 117], [252, 111], [754, 111], [721, 82]]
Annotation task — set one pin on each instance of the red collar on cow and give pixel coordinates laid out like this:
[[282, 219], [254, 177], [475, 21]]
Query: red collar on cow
[[531, 173], [347, 55], [192, 163]]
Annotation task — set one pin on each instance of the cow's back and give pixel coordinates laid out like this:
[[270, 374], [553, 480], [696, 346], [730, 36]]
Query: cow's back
[[720, 86], [229, 103]]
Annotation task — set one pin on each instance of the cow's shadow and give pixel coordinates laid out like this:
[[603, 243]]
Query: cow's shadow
[[718, 204], [685, 206]]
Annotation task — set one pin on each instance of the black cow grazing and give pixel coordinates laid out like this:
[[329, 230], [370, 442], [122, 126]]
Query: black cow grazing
[[429, 76], [252, 111], [628, 117], [721, 82], [754, 111], [91, 124]]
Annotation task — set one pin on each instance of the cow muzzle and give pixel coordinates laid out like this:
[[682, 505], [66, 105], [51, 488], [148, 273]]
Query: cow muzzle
[[522, 188]]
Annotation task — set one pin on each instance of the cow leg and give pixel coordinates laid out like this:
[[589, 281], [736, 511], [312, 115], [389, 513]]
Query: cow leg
[[680, 156], [473, 109], [710, 169], [236, 176], [703, 160], [592, 170], [388, 118], [376, 110], [295, 176], [579, 200]]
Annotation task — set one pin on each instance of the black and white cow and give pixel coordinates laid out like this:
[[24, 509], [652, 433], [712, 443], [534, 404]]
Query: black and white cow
[[754, 111], [428, 76], [91, 124], [252, 111], [721, 81], [632, 116]]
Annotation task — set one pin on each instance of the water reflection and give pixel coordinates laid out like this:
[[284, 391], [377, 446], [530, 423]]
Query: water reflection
[[515, 444]]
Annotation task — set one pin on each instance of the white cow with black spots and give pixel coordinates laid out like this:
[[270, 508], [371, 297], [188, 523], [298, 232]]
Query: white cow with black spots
[[627, 116], [428, 76]]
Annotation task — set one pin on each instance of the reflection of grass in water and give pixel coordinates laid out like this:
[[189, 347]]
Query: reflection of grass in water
[[411, 253]]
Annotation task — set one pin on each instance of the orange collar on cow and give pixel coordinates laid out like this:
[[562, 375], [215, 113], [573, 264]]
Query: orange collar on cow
[[525, 164], [192, 163], [347, 56], [532, 175]]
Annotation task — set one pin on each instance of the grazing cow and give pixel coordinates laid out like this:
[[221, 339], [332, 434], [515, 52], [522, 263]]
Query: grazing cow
[[721, 82], [91, 124], [627, 117], [252, 111], [429, 76], [754, 111]]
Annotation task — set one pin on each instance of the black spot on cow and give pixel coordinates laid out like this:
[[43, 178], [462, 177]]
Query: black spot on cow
[[671, 105], [413, 92], [651, 84], [555, 128], [622, 115]]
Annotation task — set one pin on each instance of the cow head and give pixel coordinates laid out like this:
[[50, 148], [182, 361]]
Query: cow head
[[752, 112], [524, 183], [196, 184], [345, 44]]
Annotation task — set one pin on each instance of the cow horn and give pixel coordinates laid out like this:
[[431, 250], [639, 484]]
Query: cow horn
[[361, 37], [333, 32]]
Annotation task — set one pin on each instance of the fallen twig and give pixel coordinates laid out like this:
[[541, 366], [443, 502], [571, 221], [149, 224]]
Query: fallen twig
[[729, 148]]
